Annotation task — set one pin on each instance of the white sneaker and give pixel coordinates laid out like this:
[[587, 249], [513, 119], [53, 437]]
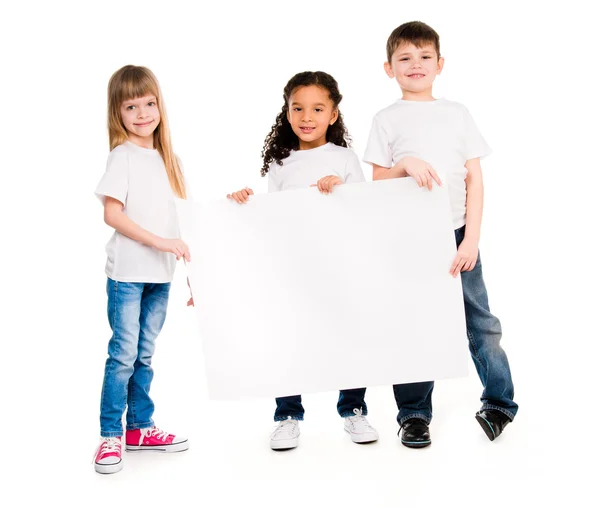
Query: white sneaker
[[285, 436], [359, 428]]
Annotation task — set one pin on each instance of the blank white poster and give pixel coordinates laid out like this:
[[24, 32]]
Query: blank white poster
[[301, 292]]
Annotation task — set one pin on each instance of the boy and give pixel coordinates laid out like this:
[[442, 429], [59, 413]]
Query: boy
[[410, 138]]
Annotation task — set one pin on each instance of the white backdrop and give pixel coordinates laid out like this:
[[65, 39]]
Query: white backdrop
[[528, 73]]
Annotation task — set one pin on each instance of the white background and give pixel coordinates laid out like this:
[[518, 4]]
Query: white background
[[527, 71]]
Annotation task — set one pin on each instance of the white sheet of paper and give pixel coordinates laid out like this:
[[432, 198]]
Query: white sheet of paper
[[301, 292]]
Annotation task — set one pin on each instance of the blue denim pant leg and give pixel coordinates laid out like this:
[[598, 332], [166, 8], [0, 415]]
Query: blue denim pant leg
[[289, 407], [140, 407], [124, 307], [349, 400], [484, 333], [414, 401]]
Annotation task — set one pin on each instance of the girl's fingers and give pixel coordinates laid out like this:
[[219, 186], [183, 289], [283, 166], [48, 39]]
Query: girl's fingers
[[429, 181]]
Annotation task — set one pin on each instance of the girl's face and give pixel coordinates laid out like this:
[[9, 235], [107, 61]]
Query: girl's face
[[141, 117], [310, 112]]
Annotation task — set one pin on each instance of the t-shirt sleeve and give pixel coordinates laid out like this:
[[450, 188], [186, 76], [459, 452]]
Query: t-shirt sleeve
[[354, 172], [115, 181], [475, 144], [273, 180], [378, 146]]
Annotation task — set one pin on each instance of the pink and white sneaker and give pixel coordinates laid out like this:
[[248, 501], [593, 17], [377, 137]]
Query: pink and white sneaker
[[154, 439], [108, 457]]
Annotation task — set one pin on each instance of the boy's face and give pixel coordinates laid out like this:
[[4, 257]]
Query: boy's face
[[414, 68]]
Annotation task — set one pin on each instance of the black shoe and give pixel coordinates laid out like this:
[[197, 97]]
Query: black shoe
[[415, 433], [492, 422]]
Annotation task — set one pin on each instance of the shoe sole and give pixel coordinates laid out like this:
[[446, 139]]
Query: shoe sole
[[359, 440], [415, 444], [178, 447], [108, 468], [287, 444], [487, 428]]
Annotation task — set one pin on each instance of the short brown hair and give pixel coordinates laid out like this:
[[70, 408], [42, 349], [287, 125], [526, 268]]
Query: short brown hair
[[413, 32]]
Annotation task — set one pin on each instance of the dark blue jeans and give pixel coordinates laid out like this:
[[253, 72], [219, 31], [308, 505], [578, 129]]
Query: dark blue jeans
[[347, 402], [484, 334]]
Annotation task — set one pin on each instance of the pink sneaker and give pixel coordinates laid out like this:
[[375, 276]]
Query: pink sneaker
[[108, 456], [155, 439]]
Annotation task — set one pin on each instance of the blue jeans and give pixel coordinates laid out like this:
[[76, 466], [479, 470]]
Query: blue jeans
[[136, 313], [347, 402], [484, 334]]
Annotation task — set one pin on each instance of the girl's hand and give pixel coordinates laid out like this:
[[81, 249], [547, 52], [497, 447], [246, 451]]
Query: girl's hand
[[174, 245], [422, 172], [325, 184], [241, 196], [466, 257], [190, 302]]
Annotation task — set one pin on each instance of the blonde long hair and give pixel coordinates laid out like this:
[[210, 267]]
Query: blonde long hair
[[131, 82]]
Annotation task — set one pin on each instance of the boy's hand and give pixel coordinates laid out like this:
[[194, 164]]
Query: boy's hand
[[466, 257], [325, 184], [174, 245], [422, 172], [241, 196]]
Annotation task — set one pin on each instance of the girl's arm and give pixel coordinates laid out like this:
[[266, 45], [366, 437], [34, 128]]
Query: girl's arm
[[468, 250], [115, 218]]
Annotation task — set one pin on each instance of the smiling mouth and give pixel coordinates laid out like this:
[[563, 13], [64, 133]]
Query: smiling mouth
[[143, 124], [307, 129], [416, 76]]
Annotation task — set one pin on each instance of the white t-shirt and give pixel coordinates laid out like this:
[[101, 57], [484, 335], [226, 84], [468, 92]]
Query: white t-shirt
[[137, 177], [440, 132], [303, 168]]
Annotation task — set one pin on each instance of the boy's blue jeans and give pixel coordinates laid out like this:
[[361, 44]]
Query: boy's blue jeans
[[136, 313], [347, 402], [484, 333]]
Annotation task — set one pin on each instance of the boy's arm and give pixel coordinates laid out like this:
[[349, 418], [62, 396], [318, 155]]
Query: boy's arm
[[382, 173], [474, 183], [468, 250], [420, 170]]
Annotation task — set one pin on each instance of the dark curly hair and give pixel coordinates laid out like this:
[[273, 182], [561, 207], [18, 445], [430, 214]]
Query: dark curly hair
[[282, 140]]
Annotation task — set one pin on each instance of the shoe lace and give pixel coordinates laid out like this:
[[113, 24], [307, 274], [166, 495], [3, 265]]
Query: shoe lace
[[358, 421], [288, 425], [109, 445], [153, 432]]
